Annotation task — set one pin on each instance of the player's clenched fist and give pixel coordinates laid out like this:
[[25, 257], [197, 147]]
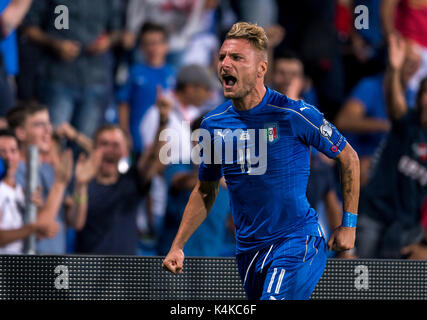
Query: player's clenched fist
[[342, 239], [174, 261]]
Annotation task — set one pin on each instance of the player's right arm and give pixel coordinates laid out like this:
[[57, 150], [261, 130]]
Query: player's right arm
[[199, 204], [394, 92]]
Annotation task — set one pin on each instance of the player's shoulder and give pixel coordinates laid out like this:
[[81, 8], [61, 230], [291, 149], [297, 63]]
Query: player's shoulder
[[292, 108], [217, 114]]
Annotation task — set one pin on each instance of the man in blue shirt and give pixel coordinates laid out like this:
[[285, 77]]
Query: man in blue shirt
[[139, 92], [281, 251], [11, 14], [363, 118]]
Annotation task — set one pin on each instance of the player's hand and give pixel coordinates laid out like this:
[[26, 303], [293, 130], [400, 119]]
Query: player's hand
[[174, 261], [342, 239]]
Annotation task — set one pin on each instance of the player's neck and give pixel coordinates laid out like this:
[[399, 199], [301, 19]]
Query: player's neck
[[251, 100]]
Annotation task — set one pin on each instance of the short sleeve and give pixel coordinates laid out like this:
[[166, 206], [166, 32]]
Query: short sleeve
[[311, 127], [208, 171]]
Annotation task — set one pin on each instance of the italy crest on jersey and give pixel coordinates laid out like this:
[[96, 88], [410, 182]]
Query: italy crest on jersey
[[272, 132]]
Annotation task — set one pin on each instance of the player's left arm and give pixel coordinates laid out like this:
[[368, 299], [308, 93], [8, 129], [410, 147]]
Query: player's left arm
[[344, 236], [310, 126]]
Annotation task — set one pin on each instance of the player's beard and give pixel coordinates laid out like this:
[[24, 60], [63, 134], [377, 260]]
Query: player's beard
[[247, 87]]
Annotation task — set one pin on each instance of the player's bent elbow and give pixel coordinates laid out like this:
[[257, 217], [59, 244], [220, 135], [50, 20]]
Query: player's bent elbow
[[349, 156]]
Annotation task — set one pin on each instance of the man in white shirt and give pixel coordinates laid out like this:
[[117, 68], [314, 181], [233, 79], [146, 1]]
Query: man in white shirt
[[194, 86], [12, 202]]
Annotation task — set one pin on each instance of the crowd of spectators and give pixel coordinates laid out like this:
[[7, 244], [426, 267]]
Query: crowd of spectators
[[95, 85]]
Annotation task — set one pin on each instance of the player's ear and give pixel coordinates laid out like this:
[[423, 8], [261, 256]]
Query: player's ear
[[262, 68]]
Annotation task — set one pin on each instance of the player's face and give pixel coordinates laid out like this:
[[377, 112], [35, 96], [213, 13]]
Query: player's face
[[37, 130], [113, 146], [239, 67], [9, 151]]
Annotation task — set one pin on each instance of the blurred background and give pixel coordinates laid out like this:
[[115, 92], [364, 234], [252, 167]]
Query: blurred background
[[78, 76]]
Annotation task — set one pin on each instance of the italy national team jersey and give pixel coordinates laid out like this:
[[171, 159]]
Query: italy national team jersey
[[268, 170]]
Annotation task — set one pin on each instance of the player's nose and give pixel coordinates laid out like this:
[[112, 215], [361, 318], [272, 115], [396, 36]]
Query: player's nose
[[225, 62]]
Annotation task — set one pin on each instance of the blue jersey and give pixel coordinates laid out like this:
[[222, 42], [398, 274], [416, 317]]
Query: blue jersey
[[140, 93], [273, 204]]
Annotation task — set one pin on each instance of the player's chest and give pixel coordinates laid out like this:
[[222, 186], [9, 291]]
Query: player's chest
[[254, 149]]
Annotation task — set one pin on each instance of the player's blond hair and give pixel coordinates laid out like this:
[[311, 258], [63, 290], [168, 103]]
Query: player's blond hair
[[251, 32]]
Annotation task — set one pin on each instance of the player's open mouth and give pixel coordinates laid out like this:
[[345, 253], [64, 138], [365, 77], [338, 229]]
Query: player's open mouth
[[229, 81]]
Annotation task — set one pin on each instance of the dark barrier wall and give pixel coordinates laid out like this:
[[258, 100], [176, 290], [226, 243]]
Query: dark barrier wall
[[130, 278]]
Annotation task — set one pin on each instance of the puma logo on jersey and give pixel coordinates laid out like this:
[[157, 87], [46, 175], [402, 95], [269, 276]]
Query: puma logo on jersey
[[303, 108]]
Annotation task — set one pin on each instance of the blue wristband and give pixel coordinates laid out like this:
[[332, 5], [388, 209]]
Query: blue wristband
[[349, 220]]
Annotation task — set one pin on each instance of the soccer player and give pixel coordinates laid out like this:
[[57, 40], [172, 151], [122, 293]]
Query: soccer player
[[281, 250]]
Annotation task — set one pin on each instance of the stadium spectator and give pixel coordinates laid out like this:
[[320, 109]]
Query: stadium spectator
[[193, 89], [76, 71], [210, 238], [183, 20], [67, 134], [139, 91], [288, 78], [408, 19], [365, 49], [203, 46], [106, 198], [363, 118], [390, 205], [314, 39], [265, 14], [31, 124], [12, 203], [11, 14]]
